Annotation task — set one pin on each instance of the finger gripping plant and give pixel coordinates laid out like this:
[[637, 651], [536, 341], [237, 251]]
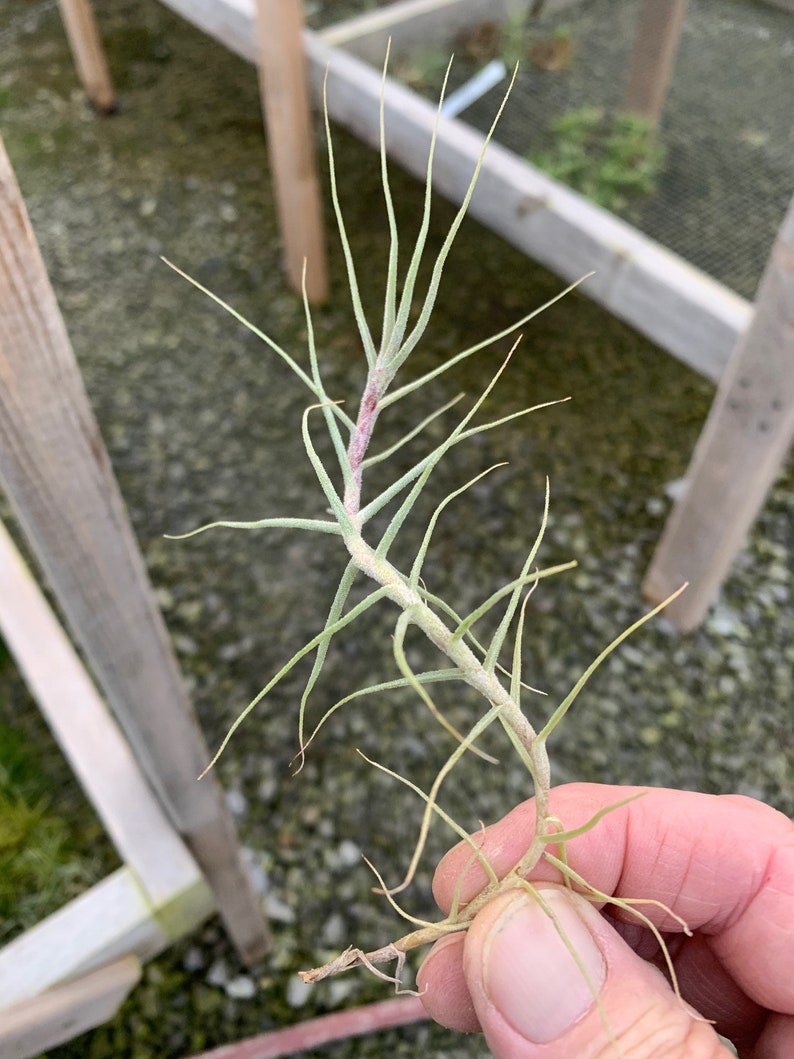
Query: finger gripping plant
[[467, 660]]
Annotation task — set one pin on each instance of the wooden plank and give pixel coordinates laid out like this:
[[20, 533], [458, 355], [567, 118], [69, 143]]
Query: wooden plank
[[230, 22], [56, 472], [89, 58], [653, 56], [88, 735], [747, 435], [415, 23], [422, 23], [111, 920], [665, 298], [34, 1026], [285, 105]]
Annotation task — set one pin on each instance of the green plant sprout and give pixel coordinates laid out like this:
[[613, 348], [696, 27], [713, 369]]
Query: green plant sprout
[[612, 160], [467, 660]]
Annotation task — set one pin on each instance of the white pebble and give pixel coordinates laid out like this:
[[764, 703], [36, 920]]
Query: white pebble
[[237, 802], [218, 973], [348, 854], [241, 988], [297, 992], [278, 910]]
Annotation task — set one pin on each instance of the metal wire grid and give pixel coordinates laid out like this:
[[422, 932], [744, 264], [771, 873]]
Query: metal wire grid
[[727, 127]]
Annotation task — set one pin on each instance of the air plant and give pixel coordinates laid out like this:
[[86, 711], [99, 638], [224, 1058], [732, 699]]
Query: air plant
[[465, 659]]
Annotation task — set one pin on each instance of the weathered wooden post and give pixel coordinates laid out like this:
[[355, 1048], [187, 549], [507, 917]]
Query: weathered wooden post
[[744, 442], [653, 57], [92, 67], [56, 472], [285, 104]]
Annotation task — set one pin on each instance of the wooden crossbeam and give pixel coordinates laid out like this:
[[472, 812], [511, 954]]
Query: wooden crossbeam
[[34, 1026], [112, 919], [88, 736]]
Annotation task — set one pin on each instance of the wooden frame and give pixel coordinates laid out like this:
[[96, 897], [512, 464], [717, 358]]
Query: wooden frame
[[33, 1026], [674, 304], [664, 297], [171, 832]]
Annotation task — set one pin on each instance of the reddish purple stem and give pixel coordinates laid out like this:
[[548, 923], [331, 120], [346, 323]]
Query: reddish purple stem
[[359, 441], [314, 1033]]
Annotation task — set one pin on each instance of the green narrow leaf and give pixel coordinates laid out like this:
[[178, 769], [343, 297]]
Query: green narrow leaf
[[416, 569], [364, 605], [390, 299], [495, 647], [330, 419], [483, 427], [565, 835], [442, 605], [505, 590], [515, 679], [434, 807], [296, 368], [403, 391], [627, 905], [432, 676], [322, 476], [402, 664], [358, 309], [570, 698], [318, 525], [342, 592], [430, 462], [569, 945], [383, 889], [406, 298], [370, 461], [430, 298], [431, 798]]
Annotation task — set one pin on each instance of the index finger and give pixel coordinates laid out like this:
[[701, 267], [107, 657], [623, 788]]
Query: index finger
[[723, 863]]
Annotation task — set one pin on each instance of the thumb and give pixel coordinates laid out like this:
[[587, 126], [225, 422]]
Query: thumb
[[535, 999]]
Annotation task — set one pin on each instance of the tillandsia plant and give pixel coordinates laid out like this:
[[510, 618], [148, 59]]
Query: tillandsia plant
[[466, 659]]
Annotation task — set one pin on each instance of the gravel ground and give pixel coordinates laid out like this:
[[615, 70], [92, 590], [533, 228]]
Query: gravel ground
[[202, 423]]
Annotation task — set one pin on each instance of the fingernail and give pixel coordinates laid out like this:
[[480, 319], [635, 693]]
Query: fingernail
[[530, 975]]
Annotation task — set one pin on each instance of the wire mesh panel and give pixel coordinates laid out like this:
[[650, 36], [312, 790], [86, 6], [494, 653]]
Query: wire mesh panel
[[711, 183]]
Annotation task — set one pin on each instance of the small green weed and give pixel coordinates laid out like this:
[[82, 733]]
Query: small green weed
[[613, 160], [41, 863]]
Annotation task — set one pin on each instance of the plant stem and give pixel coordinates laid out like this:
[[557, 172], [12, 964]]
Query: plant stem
[[379, 569]]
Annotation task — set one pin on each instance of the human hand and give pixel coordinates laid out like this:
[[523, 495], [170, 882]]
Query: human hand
[[725, 864]]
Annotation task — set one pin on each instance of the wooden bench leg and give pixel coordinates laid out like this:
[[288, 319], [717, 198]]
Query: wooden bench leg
[[285, 104], [746, 437], [92, 68], [653, 56], [57, 475]]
